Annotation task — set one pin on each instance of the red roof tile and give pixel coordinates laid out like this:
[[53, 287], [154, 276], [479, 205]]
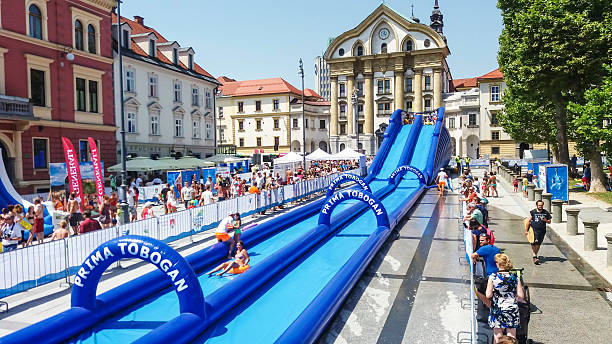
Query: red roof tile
[[223, 79], [139, 29], [496, 74], [311, 93], [258, 87], [464, 83]]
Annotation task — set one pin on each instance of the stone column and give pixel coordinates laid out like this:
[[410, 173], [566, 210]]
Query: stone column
[[557, 206], [530, 194], [350, 85], [437, 88], [546, 197], [609, 239], [398, 92], [572, 220], [333, 111], [417, 105], [590, 234], [368, 106], [537, 194]]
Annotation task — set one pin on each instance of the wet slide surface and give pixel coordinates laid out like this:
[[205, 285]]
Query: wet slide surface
[[276, 305]]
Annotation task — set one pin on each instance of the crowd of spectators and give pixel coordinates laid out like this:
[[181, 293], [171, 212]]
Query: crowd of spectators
[[89, 215], [498, 285]]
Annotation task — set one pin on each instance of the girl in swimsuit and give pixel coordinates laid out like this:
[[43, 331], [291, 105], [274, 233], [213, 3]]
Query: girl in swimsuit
[[240, 259]]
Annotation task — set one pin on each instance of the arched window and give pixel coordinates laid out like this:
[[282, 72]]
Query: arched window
[[78, 35], [359, 50], [409, 45], [383, 48], [91, 39], [35, 18], [342, 146], [341, 52]]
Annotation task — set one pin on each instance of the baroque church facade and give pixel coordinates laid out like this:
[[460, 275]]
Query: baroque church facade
[[387, 62]]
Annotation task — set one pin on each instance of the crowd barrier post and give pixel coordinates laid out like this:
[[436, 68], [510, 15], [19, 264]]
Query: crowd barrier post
[[66, 265], [190, 225]]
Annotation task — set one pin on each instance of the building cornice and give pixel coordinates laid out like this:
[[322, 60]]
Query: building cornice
[[54, 46]]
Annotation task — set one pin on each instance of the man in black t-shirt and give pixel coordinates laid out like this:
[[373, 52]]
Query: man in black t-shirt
[[163, 197], [538, 219]]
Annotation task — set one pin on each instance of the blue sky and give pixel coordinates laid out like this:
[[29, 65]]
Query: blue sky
[[246, 39]]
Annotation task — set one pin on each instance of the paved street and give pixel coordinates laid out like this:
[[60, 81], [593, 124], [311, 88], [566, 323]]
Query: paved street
[[414, 289]]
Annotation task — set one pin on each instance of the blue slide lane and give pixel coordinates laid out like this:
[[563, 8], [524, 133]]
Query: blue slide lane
[[286, 298]]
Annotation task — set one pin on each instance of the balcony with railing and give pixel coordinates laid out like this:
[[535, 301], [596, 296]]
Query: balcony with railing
[[15, 107]]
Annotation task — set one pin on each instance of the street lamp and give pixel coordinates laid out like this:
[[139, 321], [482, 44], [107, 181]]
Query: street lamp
[[123, 188], [303, 117], [355, 116]]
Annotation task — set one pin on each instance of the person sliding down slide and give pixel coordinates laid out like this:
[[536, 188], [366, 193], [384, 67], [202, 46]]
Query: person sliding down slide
[[238, 265]]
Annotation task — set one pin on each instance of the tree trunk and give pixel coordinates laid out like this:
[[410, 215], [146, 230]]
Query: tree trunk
[[555, 154], [598, 177], [561, 125]]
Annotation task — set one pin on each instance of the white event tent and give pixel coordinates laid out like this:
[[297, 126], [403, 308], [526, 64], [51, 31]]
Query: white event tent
[[347, 154], [319, 155]]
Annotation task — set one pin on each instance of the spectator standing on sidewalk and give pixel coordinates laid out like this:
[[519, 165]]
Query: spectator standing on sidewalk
[[504, 289], [62, 232], [186, 195], [487, 253], [12, 233], [89, 224], [538, 219], [207, 196]]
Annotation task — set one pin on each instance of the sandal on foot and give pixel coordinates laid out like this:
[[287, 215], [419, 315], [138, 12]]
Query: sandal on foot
[[536, 261]]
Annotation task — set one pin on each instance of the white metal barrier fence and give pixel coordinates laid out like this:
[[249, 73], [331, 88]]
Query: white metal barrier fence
[[39, 264]]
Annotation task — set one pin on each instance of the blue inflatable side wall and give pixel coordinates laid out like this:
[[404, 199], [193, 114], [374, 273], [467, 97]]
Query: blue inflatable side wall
[[395, 124], [435, 159]]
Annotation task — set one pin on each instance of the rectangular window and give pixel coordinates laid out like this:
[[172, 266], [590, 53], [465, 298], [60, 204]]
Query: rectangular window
[[40, 153], [360, 109], [208, 99], [408, 87], [451, 123], [151, 48], [306, 123], [387, 86], [427, 104], [258, 105], [276, 143], [220, 111], [409, 105], [126, 39], [494, 150], [295, 123], [208, 131], [494, 120], [342, 90], [428, 83], [276, 124], [342, 110], [222, 135], [495, 135], [241, 142], [178, 94], [154, 125], [130, 85], [153, 86], [241, 125], [131, 122], [275, 104], [259, 142], [342, 129], [380, 86], [240, 107], [37, 87], [472, 120], [494, 93], [83, 151], [195, 96], [80, 95], [258, 124], [359, 88], [93, 96], [360, 128], [381, 108], [178, 127], [387, 108], [196, 129], [321, 124]]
